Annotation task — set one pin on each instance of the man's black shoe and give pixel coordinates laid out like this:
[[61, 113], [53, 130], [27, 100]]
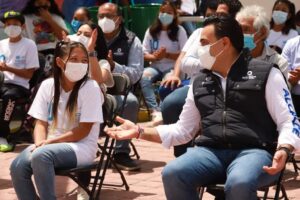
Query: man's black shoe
[[124, 162]]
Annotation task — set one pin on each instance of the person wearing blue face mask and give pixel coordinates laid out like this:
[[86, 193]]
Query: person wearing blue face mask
[[81, 16], [282, 24], [162, 44], [255, 25]]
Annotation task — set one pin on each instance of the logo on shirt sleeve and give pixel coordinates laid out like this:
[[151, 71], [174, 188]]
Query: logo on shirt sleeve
[[295, 122]]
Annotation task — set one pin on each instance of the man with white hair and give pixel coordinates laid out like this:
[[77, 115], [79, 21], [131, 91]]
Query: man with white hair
[[255, 25]]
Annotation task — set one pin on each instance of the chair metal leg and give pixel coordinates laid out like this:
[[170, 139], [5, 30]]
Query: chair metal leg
[[293, 160], [266, 192], [97, 176], [135, 153], [110, 160], [201, 192], [284, 194]]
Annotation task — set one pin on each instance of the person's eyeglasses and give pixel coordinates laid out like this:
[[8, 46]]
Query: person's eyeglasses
[[110, 16]]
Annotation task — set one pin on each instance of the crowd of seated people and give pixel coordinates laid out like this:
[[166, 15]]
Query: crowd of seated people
[[235, 77]]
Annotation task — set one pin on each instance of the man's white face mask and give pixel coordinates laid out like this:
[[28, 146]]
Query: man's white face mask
[[107, 25], [206, 59]]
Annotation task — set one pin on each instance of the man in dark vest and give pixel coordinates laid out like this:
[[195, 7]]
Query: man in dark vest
[[247, 119], [125, 56]]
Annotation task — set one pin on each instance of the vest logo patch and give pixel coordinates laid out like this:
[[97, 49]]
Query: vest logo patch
[[208, 81], [249, 76], [119, 52], [208, 78]]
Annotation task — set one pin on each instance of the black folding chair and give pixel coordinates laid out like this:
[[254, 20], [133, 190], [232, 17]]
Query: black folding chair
[[122, 87], [95, 182], [295, 163], [217, 190]]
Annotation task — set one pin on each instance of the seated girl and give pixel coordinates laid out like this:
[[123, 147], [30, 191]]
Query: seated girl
[[68, 112]]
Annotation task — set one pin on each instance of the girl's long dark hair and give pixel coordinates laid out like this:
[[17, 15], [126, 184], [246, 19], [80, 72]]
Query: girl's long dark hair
[[173, 28], [31, 9], [62, 50], [290, 23]]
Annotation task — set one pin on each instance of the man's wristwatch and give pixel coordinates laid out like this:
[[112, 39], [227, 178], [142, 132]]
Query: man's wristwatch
[[92, 54]]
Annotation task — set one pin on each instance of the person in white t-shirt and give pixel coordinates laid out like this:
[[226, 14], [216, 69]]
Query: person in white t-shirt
[[18, 61], [282, 25], [162, 44], [68, 113]]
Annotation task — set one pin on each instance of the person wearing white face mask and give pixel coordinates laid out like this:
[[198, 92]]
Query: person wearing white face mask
[[188, 62], [243, 128], [282, 24], [67, 124], [18, 61], [125, 56]]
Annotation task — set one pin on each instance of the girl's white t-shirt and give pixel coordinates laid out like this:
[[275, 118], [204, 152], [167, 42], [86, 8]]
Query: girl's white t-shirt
[[89, 109], [150, 45], [278, 39]]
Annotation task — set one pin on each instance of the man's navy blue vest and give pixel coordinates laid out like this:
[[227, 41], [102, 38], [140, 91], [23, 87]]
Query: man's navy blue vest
[[121, 45], [238, 119]]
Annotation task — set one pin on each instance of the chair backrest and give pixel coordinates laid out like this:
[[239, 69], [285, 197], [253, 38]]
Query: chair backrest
[[109, 108], [122, 85]]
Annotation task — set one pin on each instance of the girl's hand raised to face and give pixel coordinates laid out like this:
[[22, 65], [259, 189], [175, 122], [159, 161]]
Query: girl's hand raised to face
[[92, 42]]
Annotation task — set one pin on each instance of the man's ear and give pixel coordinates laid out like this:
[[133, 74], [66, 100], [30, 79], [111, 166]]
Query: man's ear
[[119, 20], [60, 63], [226, 42]]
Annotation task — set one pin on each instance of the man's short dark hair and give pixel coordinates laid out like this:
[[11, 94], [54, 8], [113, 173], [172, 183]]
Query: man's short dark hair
[[227, 26], [234, 6]]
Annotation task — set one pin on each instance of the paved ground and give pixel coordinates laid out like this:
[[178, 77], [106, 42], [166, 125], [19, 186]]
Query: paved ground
[[144, 185]]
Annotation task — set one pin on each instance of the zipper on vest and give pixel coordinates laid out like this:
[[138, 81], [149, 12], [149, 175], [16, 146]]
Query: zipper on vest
[[224, 113], [224, 120]]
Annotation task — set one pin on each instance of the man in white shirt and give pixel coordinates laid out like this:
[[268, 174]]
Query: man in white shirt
[[187, 63], [18, 61], [245, 111]]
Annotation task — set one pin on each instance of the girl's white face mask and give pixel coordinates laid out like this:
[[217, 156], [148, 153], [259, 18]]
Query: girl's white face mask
[[75, 71]]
